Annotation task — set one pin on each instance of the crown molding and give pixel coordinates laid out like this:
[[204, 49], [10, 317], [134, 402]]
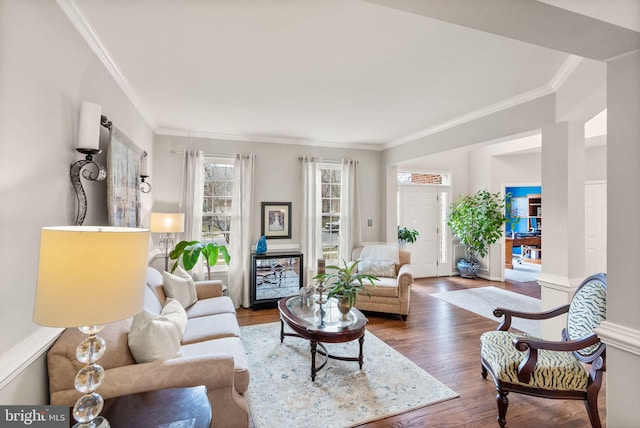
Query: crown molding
[[80, 22], [71, 9], [485, 111], [266, 139], [568, 67]]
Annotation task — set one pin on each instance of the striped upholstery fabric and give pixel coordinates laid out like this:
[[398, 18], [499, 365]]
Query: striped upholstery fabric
[[555, 370], [587, 310]]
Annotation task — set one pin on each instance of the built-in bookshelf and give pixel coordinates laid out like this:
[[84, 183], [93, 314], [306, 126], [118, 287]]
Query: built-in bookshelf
[[535, 212]]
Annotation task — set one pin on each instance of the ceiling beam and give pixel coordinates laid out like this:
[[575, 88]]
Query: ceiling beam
[[531, 22]]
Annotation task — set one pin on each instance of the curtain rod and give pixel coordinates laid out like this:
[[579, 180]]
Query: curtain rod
[[209, 155], [314, 158]]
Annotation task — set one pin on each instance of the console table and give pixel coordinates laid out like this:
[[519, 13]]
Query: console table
[[275, 275], [530, 244]]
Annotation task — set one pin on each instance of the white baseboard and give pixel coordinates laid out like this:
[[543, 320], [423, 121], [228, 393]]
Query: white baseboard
[[18, 358]]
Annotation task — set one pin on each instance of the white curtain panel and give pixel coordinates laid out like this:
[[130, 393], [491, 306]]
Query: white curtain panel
[[240, 242], [311, 219], [191, 198], [350, 228]]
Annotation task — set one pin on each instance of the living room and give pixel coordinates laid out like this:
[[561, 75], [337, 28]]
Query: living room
[[49, 69]]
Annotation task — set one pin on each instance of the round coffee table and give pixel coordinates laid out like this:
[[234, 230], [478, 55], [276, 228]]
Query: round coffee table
[[322, 325]]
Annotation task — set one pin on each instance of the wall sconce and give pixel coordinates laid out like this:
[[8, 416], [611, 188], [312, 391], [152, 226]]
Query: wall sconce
[[167, 224], [89, 145], [144, 173]]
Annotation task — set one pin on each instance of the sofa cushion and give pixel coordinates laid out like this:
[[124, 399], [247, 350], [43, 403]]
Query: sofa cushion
[[385, 287], [213, 306], [228, 346], [180, 287], [152, 338], [379, 268], [174, 312], [151, 302], [211, 327], [154, 278]]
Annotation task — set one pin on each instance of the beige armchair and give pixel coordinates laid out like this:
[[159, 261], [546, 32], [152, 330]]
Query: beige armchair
[[391, 295]]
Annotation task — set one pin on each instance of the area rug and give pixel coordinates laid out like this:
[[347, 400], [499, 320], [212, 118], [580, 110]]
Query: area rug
[[523, 272], [483, 300], [281, 393]]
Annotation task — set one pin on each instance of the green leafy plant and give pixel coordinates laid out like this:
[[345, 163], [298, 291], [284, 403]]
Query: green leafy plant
[[477, 222], [191, 250], [407, 235], [346, 281]]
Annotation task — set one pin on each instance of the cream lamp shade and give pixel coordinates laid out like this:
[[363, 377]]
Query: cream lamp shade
[[167, 222], [90, 275]]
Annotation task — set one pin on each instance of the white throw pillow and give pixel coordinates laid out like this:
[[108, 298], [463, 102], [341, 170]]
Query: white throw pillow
[[174, 312], [152, 338], [180, 287], [379, 268]]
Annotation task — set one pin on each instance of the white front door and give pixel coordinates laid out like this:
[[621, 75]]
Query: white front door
[[420, 210]]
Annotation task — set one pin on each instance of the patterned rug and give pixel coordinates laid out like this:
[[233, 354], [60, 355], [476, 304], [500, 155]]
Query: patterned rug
[[483, 300], [281, 393]]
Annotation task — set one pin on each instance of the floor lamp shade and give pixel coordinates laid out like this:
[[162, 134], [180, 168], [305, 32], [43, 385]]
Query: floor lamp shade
[[90, 275], [167, 222]]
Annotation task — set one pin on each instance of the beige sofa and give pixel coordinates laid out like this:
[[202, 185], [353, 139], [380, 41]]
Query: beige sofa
[[391, 294], [211, 354]]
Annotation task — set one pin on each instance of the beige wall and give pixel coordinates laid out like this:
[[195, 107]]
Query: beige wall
[[46, 71], [277, 178]]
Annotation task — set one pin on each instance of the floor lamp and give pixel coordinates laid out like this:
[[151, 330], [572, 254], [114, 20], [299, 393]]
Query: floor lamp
[[167, 224], [87, 277]]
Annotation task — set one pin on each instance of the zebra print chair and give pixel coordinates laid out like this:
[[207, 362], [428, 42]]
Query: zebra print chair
[[528, 365]]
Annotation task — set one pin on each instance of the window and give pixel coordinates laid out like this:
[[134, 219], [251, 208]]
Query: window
[[330, 195], [423, 178], [217, 199]]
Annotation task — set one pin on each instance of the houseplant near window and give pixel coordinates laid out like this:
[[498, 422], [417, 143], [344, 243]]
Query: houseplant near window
[[345, 284], [191, 250], [477, 222], [407, 235]]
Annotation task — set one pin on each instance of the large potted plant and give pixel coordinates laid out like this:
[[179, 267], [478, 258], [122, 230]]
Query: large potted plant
[[477, 222], [346, 282], [190, 252]]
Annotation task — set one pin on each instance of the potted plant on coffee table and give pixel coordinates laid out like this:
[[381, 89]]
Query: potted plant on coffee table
[[477, 222], [190, 252], [346, 282]]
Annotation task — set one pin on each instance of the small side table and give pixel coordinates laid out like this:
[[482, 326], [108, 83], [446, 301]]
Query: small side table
[[163, 408]]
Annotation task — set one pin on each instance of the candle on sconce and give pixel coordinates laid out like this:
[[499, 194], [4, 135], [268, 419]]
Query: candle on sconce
[[144, 165], [89, 126]]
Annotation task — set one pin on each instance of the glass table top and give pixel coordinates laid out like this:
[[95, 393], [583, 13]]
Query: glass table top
[[324, 317]]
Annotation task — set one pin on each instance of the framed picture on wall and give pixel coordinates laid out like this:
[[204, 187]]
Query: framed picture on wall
[[123, 180], [276, 220]]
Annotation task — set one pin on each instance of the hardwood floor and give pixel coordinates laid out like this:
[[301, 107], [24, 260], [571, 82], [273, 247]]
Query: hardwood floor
[[445, 341]]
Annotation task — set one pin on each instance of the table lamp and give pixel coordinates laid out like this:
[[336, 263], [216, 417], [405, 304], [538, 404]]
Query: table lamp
[[167, 224], [89, 276]]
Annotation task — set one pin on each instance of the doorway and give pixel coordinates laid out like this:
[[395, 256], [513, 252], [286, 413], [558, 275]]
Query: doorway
[[423, 207]]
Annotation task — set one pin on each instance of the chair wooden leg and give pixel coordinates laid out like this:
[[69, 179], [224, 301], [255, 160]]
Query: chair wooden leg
[[503, 403], [591, 403]]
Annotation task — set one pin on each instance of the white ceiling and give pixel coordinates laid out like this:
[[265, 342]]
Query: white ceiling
[[343, 72]]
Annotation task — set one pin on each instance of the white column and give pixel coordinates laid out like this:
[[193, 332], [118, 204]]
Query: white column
[[563, 163], [621, 331]]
